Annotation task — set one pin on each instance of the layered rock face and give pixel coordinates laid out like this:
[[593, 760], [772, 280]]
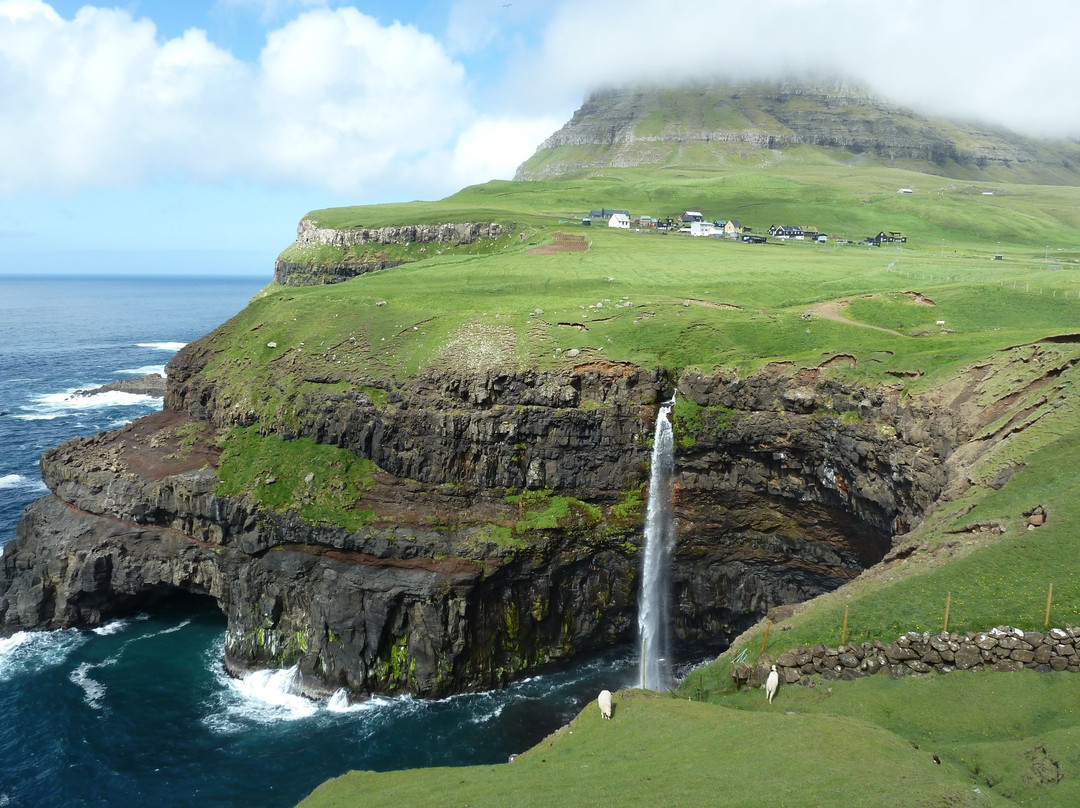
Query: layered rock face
[[788, 484], [638, 126], [309, 234]]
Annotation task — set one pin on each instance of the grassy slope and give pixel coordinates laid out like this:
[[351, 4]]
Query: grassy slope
[[434, 308]]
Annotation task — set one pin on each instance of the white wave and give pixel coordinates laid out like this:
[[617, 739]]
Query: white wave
[[162, 346], [93, 690], [261, 697], [170, 630], [30, 652], [145, 370], [340, 703], [112, 627], [13, 481], [490, 715], [48, 406]]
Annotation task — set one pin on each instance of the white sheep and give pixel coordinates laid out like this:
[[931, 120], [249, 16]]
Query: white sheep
[[771, 684], [604, 700]]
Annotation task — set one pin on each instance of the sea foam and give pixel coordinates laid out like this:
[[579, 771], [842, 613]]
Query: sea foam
[[260, 697], [30, 652], [49, 406], [162, 346], [18, 481], [145, 370], [93, 690]]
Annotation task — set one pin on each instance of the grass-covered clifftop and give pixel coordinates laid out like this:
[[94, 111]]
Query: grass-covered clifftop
[[916, 316]]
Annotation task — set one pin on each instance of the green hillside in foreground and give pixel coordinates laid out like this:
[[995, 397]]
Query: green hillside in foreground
[[984, 281]]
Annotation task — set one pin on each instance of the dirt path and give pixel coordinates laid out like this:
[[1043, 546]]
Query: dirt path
[[834, 310]]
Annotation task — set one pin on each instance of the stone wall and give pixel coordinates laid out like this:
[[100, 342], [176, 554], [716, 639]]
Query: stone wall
[[1002, 649]]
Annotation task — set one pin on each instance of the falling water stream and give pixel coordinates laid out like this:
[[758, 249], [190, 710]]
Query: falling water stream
[[654, 603]]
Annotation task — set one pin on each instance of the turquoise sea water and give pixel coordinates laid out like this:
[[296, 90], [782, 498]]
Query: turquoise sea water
[[140, 712]]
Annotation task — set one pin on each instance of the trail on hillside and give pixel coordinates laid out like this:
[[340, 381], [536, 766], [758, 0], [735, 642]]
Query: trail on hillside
[[834, 310]]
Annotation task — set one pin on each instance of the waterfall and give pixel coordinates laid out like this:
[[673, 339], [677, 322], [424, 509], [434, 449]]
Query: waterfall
[[654, 602]]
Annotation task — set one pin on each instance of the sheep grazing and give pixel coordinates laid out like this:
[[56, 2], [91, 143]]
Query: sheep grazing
[[604, 700], [771, 684]]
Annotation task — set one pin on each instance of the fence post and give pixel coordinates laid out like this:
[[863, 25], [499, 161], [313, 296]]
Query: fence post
[[766, 639], [843, 633], [1049, 597], [948, 602]]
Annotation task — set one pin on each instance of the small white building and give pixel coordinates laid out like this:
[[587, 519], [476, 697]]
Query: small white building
[[619, 220], [704, 229]]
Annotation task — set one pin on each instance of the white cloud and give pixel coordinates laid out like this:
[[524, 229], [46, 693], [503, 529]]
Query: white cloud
[[493, 148], [340, 102], [336, 101], [344, 98], [271, 10], [979, 59]]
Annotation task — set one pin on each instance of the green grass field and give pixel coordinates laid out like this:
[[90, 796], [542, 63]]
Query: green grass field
[[698, 304]]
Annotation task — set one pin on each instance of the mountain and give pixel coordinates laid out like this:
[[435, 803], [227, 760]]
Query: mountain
[[716, 125]]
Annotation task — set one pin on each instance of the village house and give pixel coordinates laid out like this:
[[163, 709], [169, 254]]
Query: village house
[[607, 213], [787, 231], [890, 237], [620, 220]]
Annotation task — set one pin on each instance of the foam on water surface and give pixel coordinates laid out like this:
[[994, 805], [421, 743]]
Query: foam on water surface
[[29, 652], [161, 346], [145, 370], [49, 406], [19, 481]]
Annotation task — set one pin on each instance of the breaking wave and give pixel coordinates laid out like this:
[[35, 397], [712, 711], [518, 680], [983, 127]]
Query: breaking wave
[[21, 482], [49, 406], [161, 346]]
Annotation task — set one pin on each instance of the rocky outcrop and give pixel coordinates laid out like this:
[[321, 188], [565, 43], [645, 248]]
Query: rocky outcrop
[[292, 269], [308, 232], [151, 384]]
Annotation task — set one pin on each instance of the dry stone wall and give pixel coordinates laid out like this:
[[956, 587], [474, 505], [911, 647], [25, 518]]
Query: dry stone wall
[[1002, 649]]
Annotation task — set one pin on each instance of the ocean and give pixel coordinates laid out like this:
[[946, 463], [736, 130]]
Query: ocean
[[140, 711]]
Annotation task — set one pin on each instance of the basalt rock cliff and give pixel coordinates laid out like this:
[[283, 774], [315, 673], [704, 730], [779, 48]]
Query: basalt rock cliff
[[789, 483]]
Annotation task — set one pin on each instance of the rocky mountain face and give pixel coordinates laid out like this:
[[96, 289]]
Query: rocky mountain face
[[789, 483], [712, 124]]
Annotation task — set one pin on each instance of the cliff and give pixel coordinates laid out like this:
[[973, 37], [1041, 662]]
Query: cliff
[[742, 124], [506, 514], [331, 255]]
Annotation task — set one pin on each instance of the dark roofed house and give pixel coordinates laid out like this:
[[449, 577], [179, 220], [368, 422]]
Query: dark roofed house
[[787, 231], [607, 213], [890, 237]]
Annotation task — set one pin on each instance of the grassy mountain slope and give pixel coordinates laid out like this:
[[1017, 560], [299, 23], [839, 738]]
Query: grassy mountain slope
[[732, 125]]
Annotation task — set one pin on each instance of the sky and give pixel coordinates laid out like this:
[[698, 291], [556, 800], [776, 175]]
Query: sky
[[160, 136]]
